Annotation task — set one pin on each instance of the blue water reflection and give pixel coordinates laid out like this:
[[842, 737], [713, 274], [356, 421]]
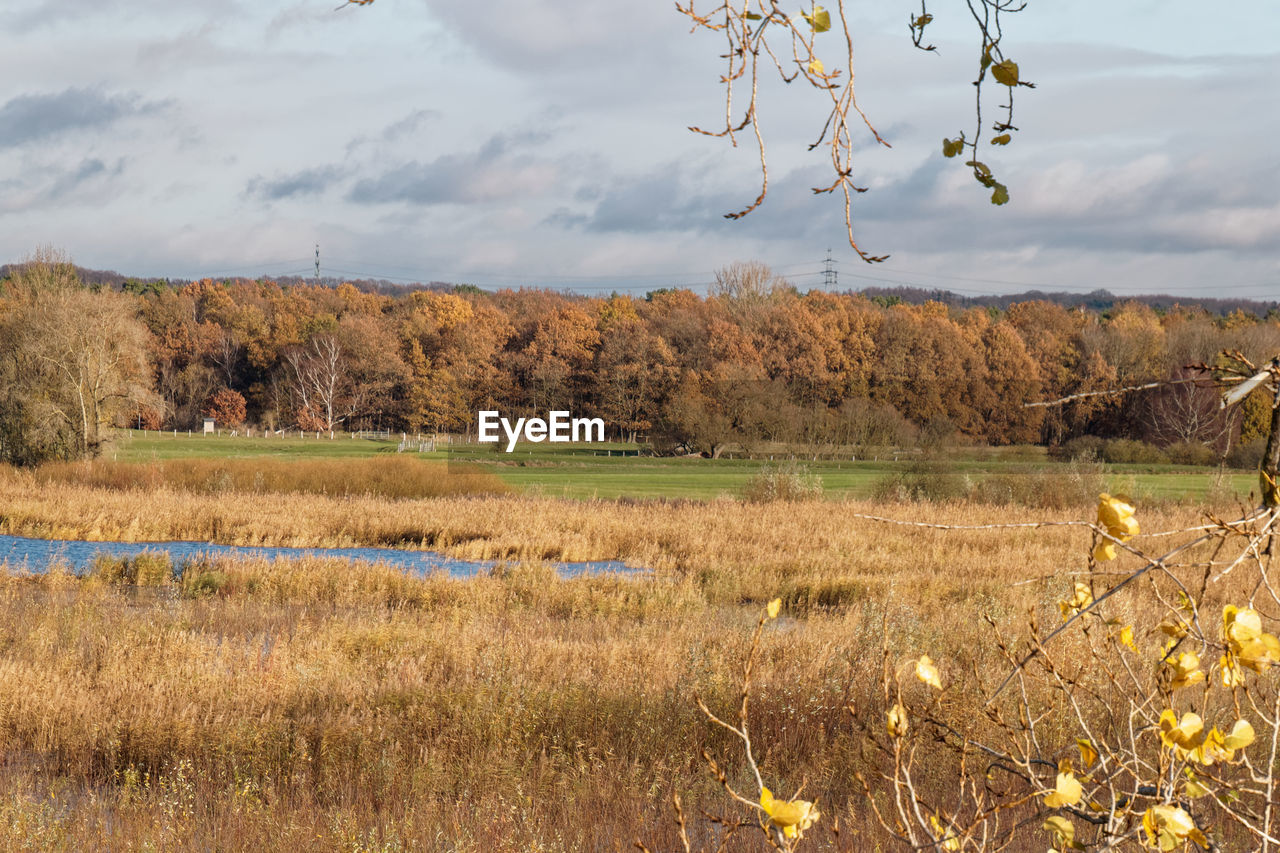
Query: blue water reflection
[[37, 554]]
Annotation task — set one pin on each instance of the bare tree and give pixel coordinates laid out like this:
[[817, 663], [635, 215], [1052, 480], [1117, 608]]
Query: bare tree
[[320, 382], [1188, 412]]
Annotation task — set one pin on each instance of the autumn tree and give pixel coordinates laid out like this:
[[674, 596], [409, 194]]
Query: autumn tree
[[634, 370], [1013, 382], [226, 407], [71, 361], [181, 351]]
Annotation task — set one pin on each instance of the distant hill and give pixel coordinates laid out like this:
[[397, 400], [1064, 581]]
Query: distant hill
[[1097, 300], [117, 281]]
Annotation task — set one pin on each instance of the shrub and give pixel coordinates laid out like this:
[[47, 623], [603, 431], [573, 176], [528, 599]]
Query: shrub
[[1069, 485], [1247, 455], [1116, 451], [1128, 451], [1086, 448], [1191, 453], [924, 481], [786, 482]]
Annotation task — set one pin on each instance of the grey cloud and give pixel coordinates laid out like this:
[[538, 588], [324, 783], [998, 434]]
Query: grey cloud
[[666, 200], [1150, 203], [647, 203], [57, 13], [550, 34], [401, 129], [302, 183], [500, 169], [40, 189], [88, 170], [28, 118], [441, 181], [408, 125]]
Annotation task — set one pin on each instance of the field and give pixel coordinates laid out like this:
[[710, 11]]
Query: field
[[318, 706], [602, 471]]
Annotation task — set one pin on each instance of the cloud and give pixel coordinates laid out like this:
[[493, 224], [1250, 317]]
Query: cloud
[[498, 170], [404, 129], [675, 198], [28, 118], [1147, 202], [301, 183], [41, 188], [550, 34]]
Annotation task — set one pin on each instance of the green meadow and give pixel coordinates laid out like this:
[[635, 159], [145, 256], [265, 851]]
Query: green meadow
[[615, 470]]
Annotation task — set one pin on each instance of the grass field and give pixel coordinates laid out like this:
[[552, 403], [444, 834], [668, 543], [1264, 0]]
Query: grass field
[[320, 706], [602, 471]]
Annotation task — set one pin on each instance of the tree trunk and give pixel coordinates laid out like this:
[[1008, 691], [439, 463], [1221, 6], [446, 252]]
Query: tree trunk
[[1271, 460]]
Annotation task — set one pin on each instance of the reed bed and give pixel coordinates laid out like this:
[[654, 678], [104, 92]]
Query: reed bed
[[318, 705], [388, 477]]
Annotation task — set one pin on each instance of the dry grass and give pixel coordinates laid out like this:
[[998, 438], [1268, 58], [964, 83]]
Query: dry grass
[[390, 477], [317, 706]]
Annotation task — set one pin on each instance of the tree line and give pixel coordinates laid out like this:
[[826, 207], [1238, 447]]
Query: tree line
[[755, 361]]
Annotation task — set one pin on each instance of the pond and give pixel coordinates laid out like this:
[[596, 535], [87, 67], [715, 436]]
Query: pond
[[37, 554]]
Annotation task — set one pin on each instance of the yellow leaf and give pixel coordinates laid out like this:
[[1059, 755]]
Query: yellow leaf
[[815, 66], [1232, 674], [1115, 515], [1002, 139], [820, 20], [1063, 829], [793, 817], [928, 673], [1186, 670], [773, 607], [1193, 788], [1240, 625], [948, 840], [1104, 550], [1079, 601], [1167, 827], [1126, 637], [896, 721], [1006, 73], [1212, 750], [1185, 734], [1240, 736], [1088, 755], [1066, 792]]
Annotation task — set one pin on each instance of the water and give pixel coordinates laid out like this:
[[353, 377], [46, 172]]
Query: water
[[37, 554]]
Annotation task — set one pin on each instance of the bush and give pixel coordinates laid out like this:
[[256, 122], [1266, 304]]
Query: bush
[[1069, 485], [1116, 451], [1247, 455], [1085, 448], [1128, 451], [924, 481], [1191, 453], [786, 482]]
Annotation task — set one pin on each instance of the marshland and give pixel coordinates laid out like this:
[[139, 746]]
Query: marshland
[[325, 705]]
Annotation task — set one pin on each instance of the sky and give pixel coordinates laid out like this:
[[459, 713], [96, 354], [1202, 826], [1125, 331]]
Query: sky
[[538, 143]]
